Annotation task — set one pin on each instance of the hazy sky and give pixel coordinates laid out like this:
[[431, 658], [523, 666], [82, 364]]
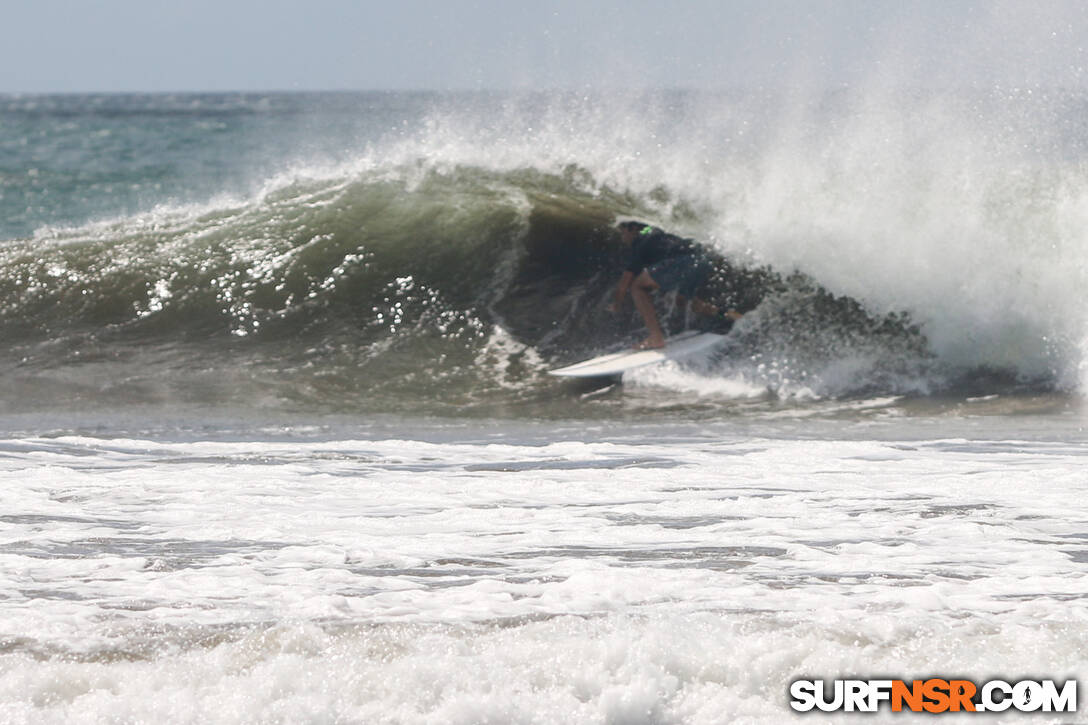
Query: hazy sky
[[177, 45]]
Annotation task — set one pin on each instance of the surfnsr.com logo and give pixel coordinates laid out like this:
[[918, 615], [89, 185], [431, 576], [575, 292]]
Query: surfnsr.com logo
[[934, 695]]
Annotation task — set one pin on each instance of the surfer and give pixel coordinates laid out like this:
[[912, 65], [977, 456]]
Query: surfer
[[666, 262]]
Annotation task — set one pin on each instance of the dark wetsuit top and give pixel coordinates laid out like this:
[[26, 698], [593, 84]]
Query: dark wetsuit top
[[652, 245], [673, 263]]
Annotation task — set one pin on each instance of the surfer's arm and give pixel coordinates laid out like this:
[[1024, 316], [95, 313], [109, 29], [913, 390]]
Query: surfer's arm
[[621, 290]]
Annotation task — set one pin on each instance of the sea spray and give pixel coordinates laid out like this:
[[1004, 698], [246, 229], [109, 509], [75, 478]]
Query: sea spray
[[943, 227]]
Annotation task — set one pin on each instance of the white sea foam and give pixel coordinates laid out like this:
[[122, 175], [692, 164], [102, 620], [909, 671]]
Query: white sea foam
[[626, 580], [693, 377]]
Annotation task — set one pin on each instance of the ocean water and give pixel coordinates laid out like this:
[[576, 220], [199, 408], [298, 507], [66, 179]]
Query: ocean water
[[277, 442]]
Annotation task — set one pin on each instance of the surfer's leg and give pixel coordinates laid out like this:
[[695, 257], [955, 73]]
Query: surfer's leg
[[640, 292], [686, 274], [704, 308]]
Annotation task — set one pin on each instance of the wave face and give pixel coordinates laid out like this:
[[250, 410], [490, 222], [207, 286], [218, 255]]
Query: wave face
[[881, 243]]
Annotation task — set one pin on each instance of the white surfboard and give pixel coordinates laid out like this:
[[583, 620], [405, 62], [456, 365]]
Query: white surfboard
[[676, 347]]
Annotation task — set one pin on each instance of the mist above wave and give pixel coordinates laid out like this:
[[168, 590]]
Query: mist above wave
[[483, 237]]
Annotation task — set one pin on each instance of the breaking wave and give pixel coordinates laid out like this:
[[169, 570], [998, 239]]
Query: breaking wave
[[876, 250]]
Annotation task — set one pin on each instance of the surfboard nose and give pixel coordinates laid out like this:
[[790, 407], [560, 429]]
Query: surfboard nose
[[676, 347]]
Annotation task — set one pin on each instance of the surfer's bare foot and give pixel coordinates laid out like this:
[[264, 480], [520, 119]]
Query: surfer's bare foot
[[651, 343]]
